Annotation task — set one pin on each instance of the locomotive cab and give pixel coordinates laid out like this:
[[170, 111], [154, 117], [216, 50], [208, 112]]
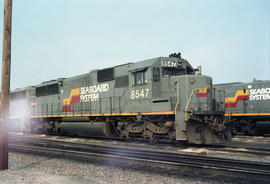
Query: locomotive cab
[[150, 79]]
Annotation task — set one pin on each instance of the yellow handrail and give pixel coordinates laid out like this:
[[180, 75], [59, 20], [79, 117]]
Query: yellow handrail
[[177, 95], [177, 102], [188, 103]]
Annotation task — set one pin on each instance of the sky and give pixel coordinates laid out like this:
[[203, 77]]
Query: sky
[[52, 39]]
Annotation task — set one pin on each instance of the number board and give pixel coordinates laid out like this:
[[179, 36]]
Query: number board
[[169, 63]]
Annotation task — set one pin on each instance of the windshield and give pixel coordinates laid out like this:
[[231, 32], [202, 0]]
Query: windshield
[[167, 72]]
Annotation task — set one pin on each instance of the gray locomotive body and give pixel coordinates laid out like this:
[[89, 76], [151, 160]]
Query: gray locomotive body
[[19, 113], [248, 105], [159, 98]]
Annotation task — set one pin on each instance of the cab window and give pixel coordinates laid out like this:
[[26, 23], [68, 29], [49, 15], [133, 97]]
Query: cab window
[[140, 78], [167, 72]]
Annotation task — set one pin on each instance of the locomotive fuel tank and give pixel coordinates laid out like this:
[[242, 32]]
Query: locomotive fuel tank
[[263, 127], [92, 129]]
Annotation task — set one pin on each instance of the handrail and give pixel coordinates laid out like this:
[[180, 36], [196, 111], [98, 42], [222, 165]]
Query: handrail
[[177, 96], [188, 103], [177, 100]]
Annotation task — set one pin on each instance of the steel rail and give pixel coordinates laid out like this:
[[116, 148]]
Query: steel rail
[[218, 148], [86, 150]]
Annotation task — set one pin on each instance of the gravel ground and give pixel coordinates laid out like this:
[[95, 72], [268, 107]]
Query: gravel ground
[[27, 168]]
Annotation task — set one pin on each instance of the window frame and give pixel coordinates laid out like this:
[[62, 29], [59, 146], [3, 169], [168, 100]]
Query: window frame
[[144, 79], [156, 76]]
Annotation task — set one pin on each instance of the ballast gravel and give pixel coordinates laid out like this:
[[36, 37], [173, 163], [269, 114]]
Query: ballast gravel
[[35, 169]]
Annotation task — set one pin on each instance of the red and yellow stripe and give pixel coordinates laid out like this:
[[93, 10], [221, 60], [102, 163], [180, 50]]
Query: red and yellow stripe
[[203, 91], [74, 97], [240, 95]]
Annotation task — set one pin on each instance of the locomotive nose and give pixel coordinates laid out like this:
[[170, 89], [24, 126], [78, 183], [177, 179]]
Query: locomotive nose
[[197, 114]]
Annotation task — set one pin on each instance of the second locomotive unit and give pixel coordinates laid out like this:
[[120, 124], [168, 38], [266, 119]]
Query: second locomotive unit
[[159, 98], [247, 104]]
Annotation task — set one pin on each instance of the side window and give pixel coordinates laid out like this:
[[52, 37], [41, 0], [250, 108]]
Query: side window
[[166, 73], [156, 74], [52, 89], [105, 75], [140, 78], [40, 91]]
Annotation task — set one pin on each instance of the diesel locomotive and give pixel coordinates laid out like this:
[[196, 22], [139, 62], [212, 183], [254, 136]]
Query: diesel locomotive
[[159, 98], [247, 105]]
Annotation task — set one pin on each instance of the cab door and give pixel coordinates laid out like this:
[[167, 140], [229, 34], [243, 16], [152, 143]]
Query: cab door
[[156, 84]]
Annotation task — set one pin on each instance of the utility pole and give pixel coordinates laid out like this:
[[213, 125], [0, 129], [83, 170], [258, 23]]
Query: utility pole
[[5, 89]]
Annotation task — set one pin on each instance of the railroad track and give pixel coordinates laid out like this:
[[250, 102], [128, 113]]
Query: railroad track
[[248, 149], [237, 148], [89, 151]]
